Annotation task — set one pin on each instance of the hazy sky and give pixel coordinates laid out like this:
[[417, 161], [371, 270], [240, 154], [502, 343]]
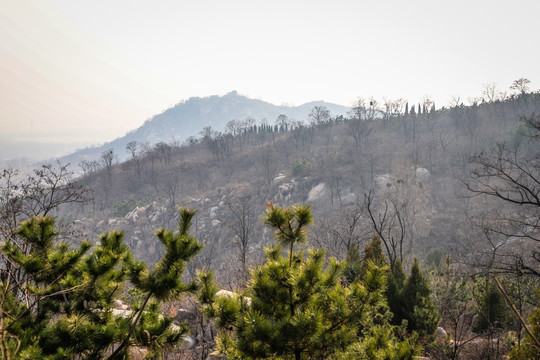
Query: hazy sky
[[89, 71]]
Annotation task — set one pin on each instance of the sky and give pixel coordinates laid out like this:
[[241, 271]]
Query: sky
[[86, 72]]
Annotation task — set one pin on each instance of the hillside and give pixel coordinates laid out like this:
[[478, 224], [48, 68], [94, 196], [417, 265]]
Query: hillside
[[189, 117], [449, 193], [404, 168]]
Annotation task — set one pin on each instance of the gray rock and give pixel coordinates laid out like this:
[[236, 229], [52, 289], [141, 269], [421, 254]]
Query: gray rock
[[440, 334], [319, 192]]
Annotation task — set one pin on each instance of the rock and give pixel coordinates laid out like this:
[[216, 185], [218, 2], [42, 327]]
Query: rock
[[465, 321], [185, 315], [119, 305], [213, 211], [136, 352], [422, 174], [383, 181], [279, 178], [188, 342], [440, 334], [230, 294], [215, 223], [100, 226], [132, 216], [123, 313], [319, 192], [348, 200], [216, 355]]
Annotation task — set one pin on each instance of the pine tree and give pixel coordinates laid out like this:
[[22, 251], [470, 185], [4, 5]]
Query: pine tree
[[297, 306], [57, 303]]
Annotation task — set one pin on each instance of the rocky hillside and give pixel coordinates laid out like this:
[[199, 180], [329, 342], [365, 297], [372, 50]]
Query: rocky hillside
[[402, 175]]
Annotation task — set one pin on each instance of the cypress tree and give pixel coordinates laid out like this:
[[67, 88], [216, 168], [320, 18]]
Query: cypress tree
[[421, 314], [493, 313]]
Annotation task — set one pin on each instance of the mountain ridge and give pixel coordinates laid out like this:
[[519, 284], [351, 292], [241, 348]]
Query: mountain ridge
[[189, 117]]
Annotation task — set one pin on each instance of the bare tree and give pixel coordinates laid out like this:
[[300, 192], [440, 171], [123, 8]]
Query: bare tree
[[242, 224], [520, 86], [266, 162], [107, 158], [134, 148], [47, 190], [388, 224], [320, 118], [510, 176], [164, 151], [283, 122], [490, 92], [342, 231]]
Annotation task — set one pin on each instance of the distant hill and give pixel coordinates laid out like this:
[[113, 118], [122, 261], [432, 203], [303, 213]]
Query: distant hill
[[189, 117]]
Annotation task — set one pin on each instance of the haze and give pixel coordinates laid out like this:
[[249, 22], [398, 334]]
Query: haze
[[78, 73]]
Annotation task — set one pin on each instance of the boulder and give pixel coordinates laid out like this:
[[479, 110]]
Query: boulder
[[318, 193], [440, 334], [422, 174], [383, 181]]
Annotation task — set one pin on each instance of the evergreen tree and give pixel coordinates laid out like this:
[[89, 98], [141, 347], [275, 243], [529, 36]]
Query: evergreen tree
[[394, 293], [422, 316], [493, 313], [353, 264], [297, 306], [56, 303]]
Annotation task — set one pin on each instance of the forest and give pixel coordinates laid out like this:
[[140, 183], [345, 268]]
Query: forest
[[398, 231]]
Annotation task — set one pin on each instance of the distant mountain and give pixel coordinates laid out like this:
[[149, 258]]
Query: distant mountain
[[189, 117]]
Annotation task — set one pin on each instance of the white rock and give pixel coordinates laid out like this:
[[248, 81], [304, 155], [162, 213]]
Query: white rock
[[348, 199], [383, 181], [422, 174], [440, 334], [319, 192], [279, 178]]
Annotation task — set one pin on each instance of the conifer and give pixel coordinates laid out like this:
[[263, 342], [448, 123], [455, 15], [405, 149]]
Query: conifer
[[56, 303], [296, 305]]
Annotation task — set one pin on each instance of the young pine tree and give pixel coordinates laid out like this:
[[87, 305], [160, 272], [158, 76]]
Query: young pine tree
[[56, 303], [297, 306]]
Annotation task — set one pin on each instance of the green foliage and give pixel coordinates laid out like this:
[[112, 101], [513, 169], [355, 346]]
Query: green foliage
[[394, 293], [409, 299], [121, 208], [353, 264], [57, 303], [420, 313], [434, 258], [529, 348], [301, 168], [298, 306], [493, 313], [373, 253]]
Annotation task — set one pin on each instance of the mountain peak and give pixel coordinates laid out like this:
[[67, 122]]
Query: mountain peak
[[189, 117]]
